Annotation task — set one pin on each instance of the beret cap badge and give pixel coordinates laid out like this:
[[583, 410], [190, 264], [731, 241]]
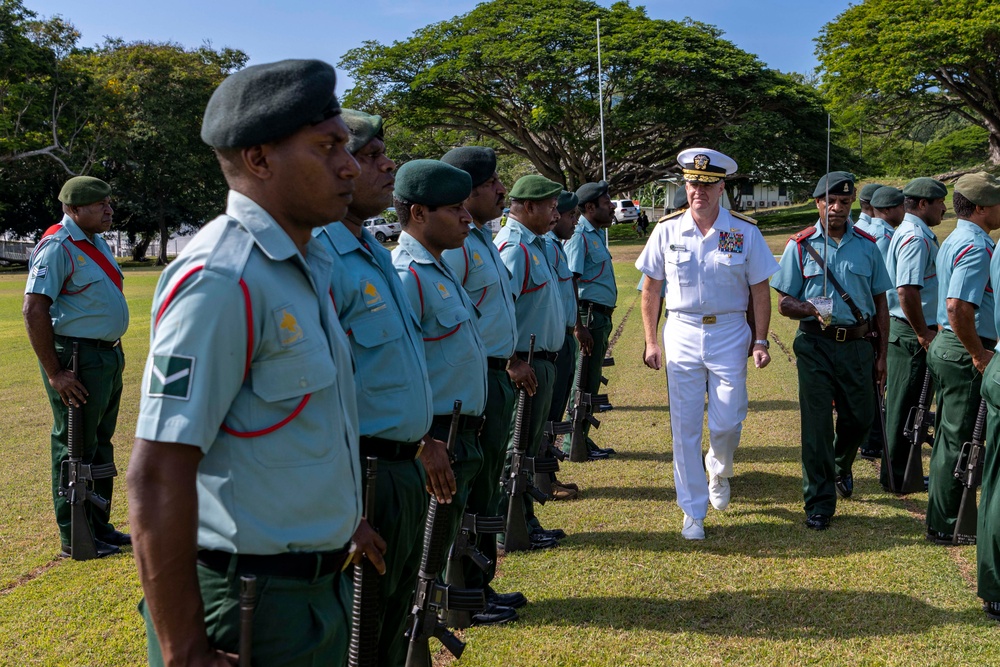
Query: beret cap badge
[[701, 161]]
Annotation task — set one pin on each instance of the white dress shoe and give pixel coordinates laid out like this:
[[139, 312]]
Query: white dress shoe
[[718, 492], [694, 529]]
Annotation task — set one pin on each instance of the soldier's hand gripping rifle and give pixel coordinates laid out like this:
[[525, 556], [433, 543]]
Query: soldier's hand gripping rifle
[[917, 430], [76, 479], [431, 597], [520, 479], [585, 404], [969, 471], [363, 650]]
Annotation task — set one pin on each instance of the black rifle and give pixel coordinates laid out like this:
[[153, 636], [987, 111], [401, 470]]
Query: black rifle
[[969, 471], [584, 403], [248, 599], [363, 651], [549, 458], [917, 430], [522, 473], [430, 597], [465, 546], [76, 479]]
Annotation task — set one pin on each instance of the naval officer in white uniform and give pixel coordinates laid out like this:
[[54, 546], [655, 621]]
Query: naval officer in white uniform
[[711, 261]]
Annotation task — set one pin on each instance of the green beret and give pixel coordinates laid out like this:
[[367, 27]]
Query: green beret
[[83, 190], [981, 189], [265, 103], [363, 126], [589, 192], [535, 188], [925, 188], [680, 198], [887, 197], [432, 183], [868, 191], [479, 161], [841, 183], [567, 200]]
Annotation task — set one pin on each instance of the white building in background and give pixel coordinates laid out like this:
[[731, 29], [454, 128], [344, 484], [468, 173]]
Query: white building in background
[[764, 195]]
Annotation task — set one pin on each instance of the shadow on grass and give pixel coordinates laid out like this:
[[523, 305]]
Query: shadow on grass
[[777, 614], [642, 408], [657, 493], [625, 455], [769, 454], [777, 404], [755, 486]]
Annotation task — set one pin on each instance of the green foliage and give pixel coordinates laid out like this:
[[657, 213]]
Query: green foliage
[[892, 65], [523, 74]]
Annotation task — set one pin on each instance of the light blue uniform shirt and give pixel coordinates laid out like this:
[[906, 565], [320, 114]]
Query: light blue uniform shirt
[[487, 282], [394, 396], [538, 304], [456, 358], [881, 231], [267, 393], [560, 266], [590, 258], [85, 302], [855, 261], [963, 266], [912, 260], [863, 219]]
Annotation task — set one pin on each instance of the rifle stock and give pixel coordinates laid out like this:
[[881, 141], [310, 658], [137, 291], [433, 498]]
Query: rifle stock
[[430, 597], [363, 650], [969, 470], [585, 405], [518, 482], [918, 431]]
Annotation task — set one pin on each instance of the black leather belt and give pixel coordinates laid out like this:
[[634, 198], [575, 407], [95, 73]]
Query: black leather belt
[[465, 422], [496, 363], [903, 320], [388, 450], [839, 334], [293, 565], [89, 342], [539, 354], [988, 343], [598, 307]]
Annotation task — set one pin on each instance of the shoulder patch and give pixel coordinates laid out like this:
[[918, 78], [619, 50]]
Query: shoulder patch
[[671, 215], [865, 235], [803, 235], [744, 218]]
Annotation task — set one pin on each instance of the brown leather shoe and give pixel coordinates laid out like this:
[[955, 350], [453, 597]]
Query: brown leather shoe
[[564, 493]]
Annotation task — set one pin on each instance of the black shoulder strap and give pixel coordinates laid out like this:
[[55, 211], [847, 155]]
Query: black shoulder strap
[[855, 311]]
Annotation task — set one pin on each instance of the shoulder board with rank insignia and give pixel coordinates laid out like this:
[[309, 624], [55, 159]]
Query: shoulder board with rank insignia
[[744, 218], [865, 235], [803, 235], [671, 215]]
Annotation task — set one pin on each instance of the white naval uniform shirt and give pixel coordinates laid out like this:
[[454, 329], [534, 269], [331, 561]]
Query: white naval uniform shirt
[[707, 275]]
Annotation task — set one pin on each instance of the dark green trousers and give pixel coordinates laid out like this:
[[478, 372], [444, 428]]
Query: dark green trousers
[[600, 328], [562, 389], [988, 529], [958, 384], [400, 512], [296, 623], [485, 496], [907, 363], [545, 372], [100, 371], [831, 372], [468, 462]]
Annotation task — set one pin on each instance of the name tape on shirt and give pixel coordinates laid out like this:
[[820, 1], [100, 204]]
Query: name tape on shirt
[[730, 242], [170, 377]]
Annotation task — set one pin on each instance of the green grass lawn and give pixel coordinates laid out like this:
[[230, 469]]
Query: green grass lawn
[[623, 589]]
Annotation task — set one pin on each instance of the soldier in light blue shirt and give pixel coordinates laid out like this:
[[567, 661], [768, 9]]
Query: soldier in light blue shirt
[[911, 263], [865, 195], [590, 260], [429, 198], [959, 354], [246, 452], [74, 295]]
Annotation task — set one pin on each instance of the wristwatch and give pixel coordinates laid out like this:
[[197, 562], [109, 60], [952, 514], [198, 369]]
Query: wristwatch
[[766, 343]]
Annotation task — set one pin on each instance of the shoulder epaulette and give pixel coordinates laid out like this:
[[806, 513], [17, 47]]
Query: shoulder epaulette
[[671, 215], [865, 235], [803, 235], [744, 218]]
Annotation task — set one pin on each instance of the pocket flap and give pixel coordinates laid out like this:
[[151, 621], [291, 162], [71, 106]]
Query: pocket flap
[[452, 317], [372, 331], [281, 378]]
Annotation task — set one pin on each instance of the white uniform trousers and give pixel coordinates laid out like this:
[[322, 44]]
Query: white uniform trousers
[[702, 357]]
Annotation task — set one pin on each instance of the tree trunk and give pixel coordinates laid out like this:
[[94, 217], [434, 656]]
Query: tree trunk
[[164, 239], [139, 247], [994, 148]]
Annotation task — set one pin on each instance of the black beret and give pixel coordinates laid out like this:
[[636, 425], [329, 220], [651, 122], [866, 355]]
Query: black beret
[[535, 188], [432, 183], [841, 183], [479, 161], [887, 197], [363, 126], [925, 188], [589, 192], [83, 190], [265, 103], [680, 198], [567, 200], [868, 191]]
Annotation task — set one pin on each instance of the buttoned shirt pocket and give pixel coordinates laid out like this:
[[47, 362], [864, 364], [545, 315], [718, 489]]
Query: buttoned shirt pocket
[[447, 344], [860, 268], [372, 332], [480, 277], [679, 265], [810, 267], [84, 278], [734, 261], [278, 421]]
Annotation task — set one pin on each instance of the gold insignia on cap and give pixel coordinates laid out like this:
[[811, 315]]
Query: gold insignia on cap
[[701, 161], [847, 186]]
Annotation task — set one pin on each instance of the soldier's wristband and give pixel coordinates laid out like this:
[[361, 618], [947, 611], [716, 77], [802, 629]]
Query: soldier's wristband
[[766, 343]]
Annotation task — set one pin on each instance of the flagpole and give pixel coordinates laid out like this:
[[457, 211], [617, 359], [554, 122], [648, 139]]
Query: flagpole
[[600, 100]]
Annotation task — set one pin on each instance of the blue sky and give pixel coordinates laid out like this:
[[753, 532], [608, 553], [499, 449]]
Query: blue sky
[[780, 32]]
